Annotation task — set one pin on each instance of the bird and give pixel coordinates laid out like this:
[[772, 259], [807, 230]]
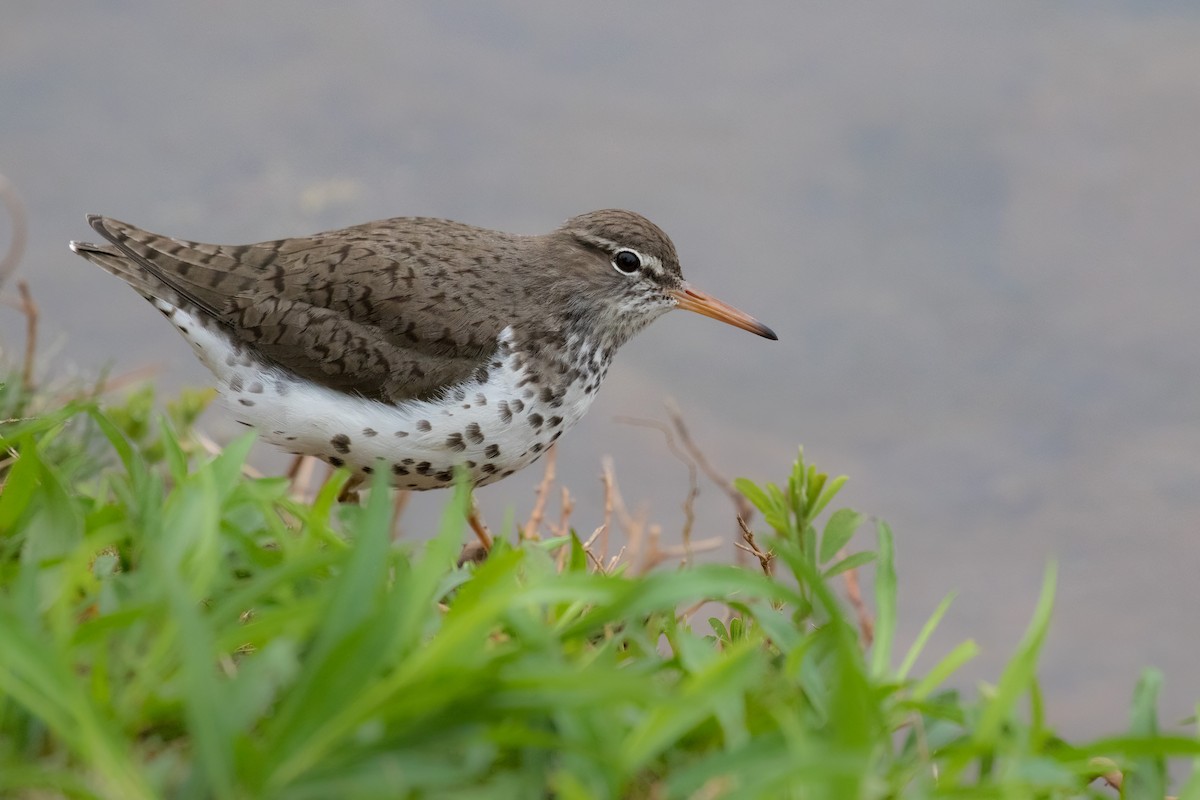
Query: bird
[[417, 345]]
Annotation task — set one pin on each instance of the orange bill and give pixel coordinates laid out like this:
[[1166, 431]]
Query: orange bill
[[690, 299]]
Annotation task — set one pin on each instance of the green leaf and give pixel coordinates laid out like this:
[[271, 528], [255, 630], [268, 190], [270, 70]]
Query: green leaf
[[838, 530], [721, 681], [133, 461], [177, 461], [578, 560], [776, 513], [19, 485], [815, 485], [829, 490], [756, 496], [226, 468], [852, 561]]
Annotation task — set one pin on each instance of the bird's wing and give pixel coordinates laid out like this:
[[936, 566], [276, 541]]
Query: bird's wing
[[392, 310]]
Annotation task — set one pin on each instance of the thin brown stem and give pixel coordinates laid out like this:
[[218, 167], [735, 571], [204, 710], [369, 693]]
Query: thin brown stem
[[743, 506], [606, 476], [866, 622], [765, 558], [689, 503], [30, 310], [564, 520], [20, 229], [214, 449], [530, 531]]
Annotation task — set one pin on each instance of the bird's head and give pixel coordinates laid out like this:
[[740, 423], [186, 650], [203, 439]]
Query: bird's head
[[625, 274]]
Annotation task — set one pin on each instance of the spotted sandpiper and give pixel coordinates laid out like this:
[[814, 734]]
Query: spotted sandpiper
[[423, 345]]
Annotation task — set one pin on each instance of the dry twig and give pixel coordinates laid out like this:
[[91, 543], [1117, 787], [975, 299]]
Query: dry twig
[[615, 509], [634, 528], [606, 476], [765, 558], [689, 503], [653, 555], [214, 449], [30, 310], [564, 519], [687, 613], [743, 506], [612, 562], [587, 548], [20, 229], [866, 622], [530, 531], [135, 375]]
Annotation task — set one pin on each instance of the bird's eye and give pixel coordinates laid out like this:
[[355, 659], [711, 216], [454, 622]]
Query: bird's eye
[[627, 262]]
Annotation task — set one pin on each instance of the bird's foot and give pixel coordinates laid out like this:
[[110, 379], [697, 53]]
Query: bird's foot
[[349, 493]]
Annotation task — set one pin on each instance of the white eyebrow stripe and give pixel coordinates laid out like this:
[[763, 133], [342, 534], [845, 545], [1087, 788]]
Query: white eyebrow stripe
[[602, 243], [653, 263]]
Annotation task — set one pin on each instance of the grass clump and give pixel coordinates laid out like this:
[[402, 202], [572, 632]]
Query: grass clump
[[172, 628]]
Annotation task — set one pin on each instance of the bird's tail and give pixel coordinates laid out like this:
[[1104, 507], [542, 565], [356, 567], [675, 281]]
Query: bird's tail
[[114, 262]]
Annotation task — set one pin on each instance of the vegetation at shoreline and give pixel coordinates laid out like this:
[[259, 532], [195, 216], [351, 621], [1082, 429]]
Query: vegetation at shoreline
[[173, 627]]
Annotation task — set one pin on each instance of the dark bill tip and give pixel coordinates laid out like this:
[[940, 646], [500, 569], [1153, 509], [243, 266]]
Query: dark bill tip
[[690, 299]]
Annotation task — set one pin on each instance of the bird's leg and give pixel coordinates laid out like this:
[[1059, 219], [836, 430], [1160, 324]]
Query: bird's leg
[[349, 493], [476, 552], [294, 468], [475, 520]]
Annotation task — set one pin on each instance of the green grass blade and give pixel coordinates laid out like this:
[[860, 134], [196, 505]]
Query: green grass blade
[[1148, 776], [947, 666], [209, 717], [885, 603], [667, 722], [38, 677], [1020, 669], [19, 485], [342, 652], [918, 645], [1191, 789]]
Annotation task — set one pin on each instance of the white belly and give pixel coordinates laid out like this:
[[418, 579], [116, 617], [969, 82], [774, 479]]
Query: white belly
[[491, 429]]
